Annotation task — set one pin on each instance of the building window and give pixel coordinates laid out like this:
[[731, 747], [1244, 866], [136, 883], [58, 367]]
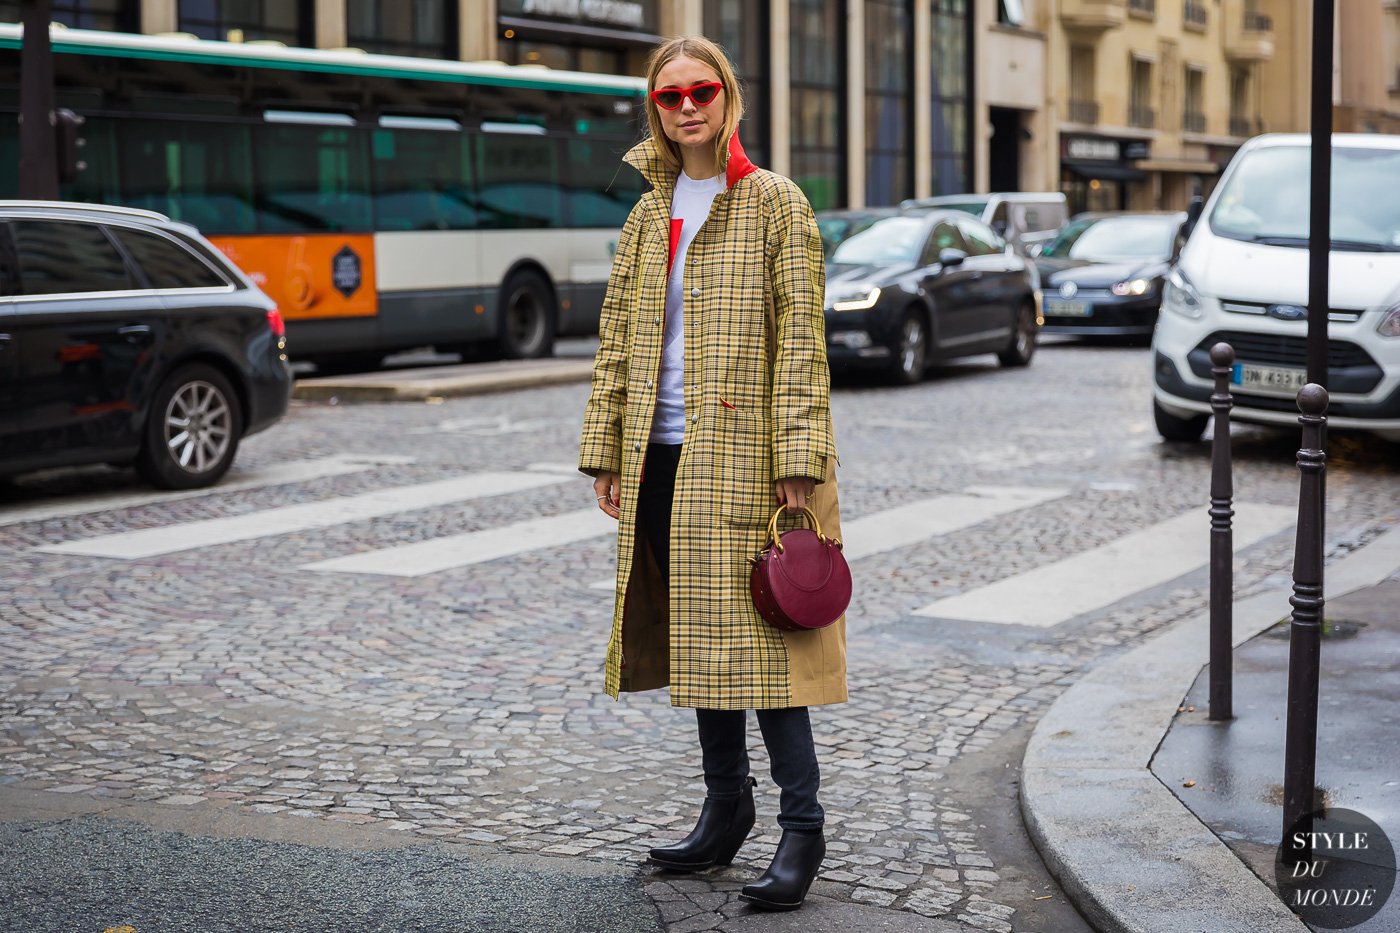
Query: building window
[[1140, 111], [1241, 120], [285, 21], [951, 87], [1193, 119], [741, 28], [1083, 99], [818, 50], [108, 15], [421, 28], [1011, 12], [888, 121]]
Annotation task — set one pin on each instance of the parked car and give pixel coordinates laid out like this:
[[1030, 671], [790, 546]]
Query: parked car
[[125, 338], [1102, 275], [1242, 278], [928, 286], [1025, 219], [837, 225]]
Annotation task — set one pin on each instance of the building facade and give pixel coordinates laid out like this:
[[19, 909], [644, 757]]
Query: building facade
[[1118, 103], [862, 102]]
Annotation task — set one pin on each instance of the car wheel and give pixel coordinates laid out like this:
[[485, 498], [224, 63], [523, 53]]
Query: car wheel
[[1173, 428], [910, 350], [192, 430], [527, 318], [1022, 339]]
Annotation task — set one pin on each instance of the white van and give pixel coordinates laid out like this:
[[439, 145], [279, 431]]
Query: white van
[[1243, 279], [1025, 219]]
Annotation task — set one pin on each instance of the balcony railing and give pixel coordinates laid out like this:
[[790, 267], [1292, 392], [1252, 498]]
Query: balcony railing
[[1084, 111], [1242, 126], [1193, 121], [1257, 22], [1194, 14], [1143, 117], [1143, 7]]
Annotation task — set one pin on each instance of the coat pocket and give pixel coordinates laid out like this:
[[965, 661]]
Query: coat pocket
[[742, 448]]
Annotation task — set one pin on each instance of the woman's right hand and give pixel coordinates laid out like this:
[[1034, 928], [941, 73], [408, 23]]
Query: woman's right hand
[[607, 486]]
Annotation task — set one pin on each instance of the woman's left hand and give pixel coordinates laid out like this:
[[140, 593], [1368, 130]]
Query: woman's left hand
[[794, 492]]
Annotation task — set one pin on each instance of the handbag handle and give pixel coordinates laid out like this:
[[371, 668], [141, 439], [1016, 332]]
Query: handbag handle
[[811, 516]]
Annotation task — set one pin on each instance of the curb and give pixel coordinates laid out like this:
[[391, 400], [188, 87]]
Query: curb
[[1129, 854], [416, 385]]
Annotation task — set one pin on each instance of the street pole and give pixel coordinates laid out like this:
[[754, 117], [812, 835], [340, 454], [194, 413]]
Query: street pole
[[38, 162], [1222, 550], [1305, 631]]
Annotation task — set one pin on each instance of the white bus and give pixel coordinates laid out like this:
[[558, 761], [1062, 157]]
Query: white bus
[[384, 202]]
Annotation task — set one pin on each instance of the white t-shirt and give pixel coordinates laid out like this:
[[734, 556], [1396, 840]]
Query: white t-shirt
[[691, 206]]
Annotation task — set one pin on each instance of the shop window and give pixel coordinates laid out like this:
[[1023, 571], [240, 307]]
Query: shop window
[[421, 28], [818, 116], [741, 28], [285, 21], [107, 15], [888, 115]]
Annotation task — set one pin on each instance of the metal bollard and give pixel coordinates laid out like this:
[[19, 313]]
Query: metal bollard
[[1305, 632], [1222, 550]]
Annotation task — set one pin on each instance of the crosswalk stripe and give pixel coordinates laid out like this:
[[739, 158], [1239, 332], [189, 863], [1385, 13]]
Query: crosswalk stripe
[[922, 519], [1102, 576], [295, 471], [321, 514], [473, 547]]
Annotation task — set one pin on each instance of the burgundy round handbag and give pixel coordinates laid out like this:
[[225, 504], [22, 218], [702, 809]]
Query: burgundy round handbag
[[800, 579]]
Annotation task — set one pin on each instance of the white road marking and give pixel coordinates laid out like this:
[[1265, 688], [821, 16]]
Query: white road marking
[[922, 519], [1102, 576], [325, 513], [295, 471], [473, 547]]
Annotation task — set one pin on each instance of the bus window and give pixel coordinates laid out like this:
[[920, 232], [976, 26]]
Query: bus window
[[519, 181], [312, 178], [601, 188], [195, 172], [9, 154], [422, 181]]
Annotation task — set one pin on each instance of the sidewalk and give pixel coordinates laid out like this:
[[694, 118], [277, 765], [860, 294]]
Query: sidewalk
[[1104, 773], [420, 384]]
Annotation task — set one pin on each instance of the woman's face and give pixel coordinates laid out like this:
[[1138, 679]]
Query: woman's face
[[690, 125]]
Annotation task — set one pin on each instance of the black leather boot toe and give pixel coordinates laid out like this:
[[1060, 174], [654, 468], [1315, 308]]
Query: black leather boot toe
[[784, 885], [723, 826]]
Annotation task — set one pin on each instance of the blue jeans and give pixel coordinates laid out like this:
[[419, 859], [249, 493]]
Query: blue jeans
[[787, 733]]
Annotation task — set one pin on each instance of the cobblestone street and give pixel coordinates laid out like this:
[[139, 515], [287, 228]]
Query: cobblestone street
[[224, 661]]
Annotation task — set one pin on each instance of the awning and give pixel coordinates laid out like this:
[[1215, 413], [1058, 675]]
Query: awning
[[572, 33], [1187, 166], [1104, 171]]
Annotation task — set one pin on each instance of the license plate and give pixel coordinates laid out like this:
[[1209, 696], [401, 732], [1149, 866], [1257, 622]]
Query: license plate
[[1269, 378], [1061, 307]]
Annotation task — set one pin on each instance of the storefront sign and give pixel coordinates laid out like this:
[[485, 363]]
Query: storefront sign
[[630, 14], [1087, 147]]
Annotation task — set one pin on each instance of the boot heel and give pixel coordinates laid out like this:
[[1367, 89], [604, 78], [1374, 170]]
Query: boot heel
[[725, 854]]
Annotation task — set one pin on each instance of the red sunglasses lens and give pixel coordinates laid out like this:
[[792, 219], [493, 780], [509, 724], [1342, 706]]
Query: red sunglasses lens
[[668, 99], [704, 93]]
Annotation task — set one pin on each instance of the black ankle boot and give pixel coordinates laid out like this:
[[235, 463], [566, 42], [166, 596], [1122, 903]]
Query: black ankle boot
[[723, 826], [784, 885]]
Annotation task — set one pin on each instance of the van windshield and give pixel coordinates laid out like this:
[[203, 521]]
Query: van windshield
[[1265, 199], [1125, 238]]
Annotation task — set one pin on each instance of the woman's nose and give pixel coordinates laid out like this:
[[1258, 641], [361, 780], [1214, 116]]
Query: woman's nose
[[688, 105]]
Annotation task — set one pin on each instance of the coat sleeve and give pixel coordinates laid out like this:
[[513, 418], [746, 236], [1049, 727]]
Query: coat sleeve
[[801, 414], [600, 448]]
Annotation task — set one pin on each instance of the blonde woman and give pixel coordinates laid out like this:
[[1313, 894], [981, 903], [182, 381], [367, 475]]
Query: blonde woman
[[709, 409]]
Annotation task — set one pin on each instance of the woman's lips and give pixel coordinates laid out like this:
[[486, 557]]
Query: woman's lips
[[694, 124]]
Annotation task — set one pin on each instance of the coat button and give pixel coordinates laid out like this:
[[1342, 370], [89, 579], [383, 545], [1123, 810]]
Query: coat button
[[636, 446], [694, 417], [695, 292], [648, 383], [657, 321]]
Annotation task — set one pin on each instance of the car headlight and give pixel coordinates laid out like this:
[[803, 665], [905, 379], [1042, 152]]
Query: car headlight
[[1180, 296], [1132, 287], [1390, 323], [859, 299]]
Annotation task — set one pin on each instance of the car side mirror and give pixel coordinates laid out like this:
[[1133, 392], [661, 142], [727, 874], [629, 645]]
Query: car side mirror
[[949, 257], [1193, 214]]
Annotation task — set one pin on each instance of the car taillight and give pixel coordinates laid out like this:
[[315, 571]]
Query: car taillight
[[274, 321]]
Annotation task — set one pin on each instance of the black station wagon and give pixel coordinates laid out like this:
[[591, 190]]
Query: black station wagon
[[127, 338]]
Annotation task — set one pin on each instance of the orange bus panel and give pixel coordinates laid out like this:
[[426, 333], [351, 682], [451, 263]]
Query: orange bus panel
[[320, 275]]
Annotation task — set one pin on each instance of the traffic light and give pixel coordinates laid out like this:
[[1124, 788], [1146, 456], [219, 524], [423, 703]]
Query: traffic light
[[68, 144]]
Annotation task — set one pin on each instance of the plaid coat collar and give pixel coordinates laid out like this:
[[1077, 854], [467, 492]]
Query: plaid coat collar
[[647, 158]]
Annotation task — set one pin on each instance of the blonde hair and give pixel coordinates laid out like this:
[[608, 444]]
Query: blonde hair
[[707, 53]]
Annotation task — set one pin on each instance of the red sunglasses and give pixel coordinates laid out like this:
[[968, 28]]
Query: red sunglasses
[[703, 93]]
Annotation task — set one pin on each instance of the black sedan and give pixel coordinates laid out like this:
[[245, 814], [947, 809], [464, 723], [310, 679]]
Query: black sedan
[[127, 338], [924, 287], [1102, 274]]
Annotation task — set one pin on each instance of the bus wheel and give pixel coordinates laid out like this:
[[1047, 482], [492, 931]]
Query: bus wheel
[[527, 318]]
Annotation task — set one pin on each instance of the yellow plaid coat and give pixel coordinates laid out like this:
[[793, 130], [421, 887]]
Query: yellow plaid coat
[[755, 413]]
